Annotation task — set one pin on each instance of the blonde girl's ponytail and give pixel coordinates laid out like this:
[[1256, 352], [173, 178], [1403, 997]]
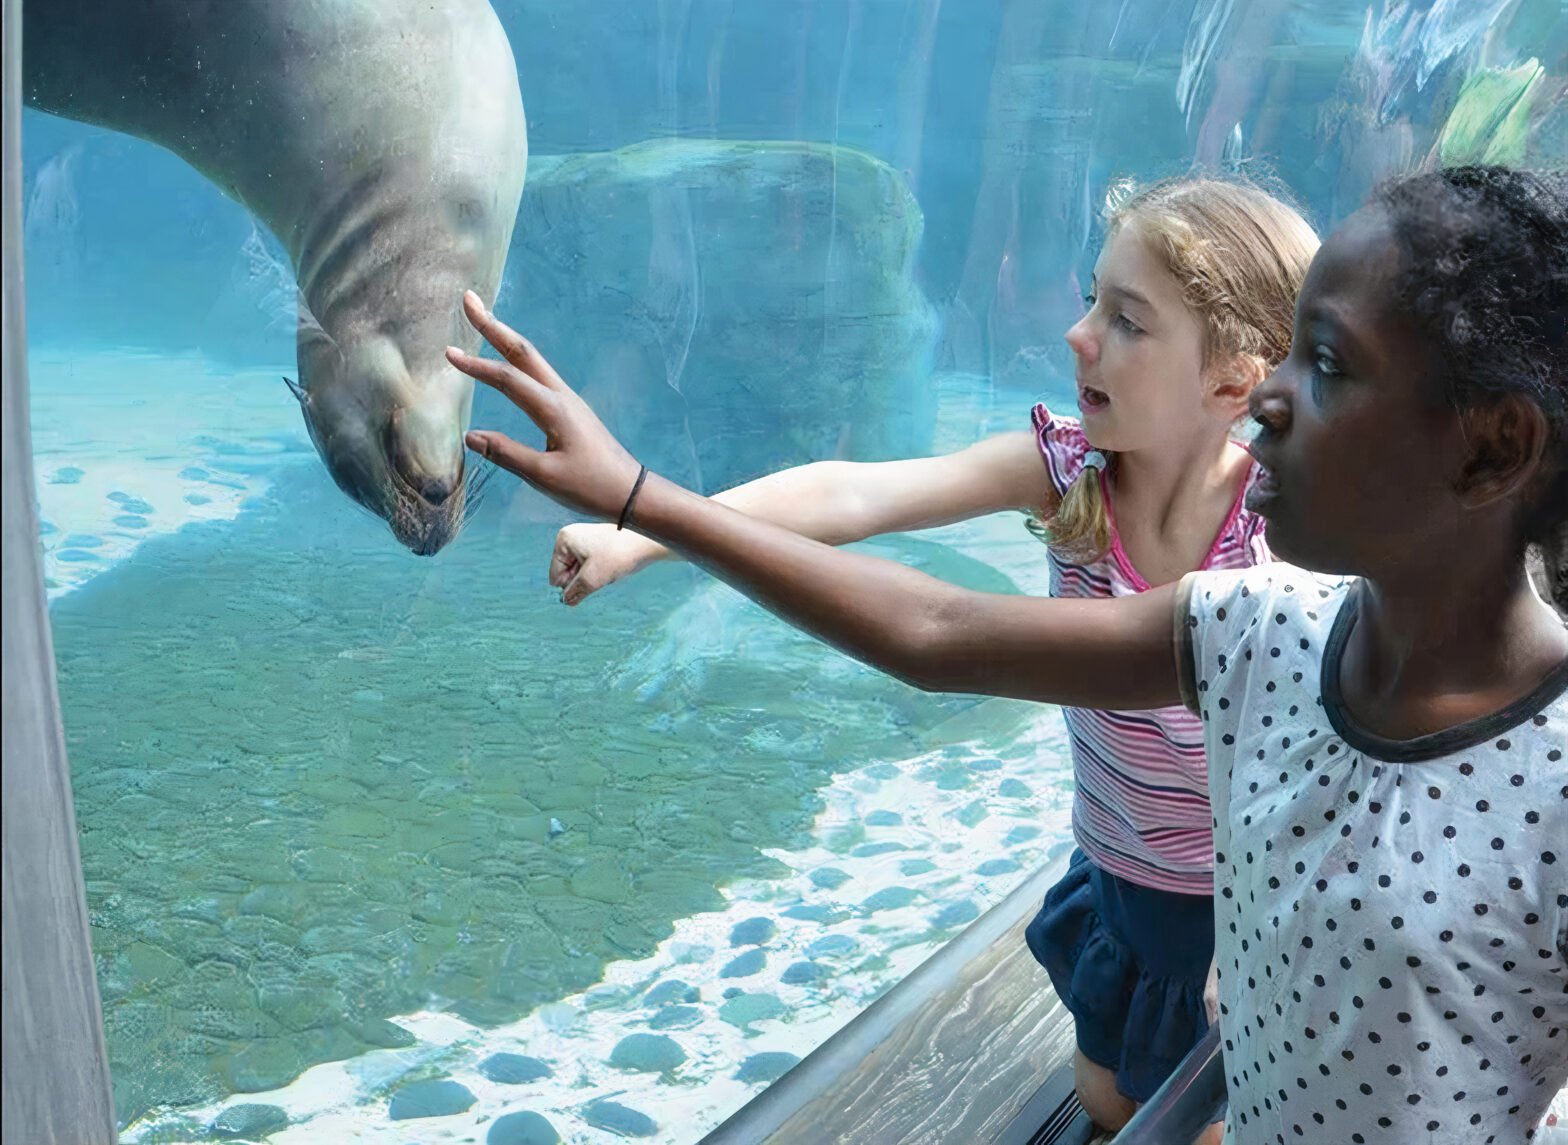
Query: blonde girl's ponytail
[[1080, 528]]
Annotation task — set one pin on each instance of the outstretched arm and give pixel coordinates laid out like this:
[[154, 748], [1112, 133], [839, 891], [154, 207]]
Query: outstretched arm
[[832, 501], [1095, 653]]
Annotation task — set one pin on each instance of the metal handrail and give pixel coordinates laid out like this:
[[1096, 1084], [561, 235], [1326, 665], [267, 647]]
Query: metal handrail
[[1191, 1099]]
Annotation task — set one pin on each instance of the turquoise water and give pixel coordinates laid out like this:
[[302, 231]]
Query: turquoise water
[[333, 797], [355, 823]]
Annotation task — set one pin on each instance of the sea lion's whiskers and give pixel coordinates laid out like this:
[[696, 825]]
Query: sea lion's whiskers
[[475, 484], [477, 480]]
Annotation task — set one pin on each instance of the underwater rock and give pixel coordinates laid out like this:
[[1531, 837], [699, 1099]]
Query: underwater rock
[[972, 813], [996, 867], [1021, 835], [752, 932], [312, 865], [763, 1069], [745, 1009], [805, 974], [955, 915], [383, 1034], [744, 965], [1013, 789], [884, 819], [430, 1099], [602, 878], [675, 1018], [910, 867], [828, 878], [262, 1065], [514, 1069], [613, 1117], [148, 964], [729, 308], [831, 945], [249, 1121], [671, 990], [816, 912], [889, 898], [524, 1128], [871, 850], [130, 504], [647, 1053]]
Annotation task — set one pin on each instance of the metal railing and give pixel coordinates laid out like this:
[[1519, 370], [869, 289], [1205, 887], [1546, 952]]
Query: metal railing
[[1191, 1099]]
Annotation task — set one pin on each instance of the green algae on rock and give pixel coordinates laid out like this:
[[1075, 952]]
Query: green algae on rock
[[1490, 122]]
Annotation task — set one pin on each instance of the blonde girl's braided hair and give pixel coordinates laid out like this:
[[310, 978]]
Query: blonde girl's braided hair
[[1239, 255]]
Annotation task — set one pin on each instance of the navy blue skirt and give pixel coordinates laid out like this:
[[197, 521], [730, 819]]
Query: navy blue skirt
[[1130, 963]]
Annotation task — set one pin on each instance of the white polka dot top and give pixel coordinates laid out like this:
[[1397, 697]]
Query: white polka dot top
[[1391, 916]]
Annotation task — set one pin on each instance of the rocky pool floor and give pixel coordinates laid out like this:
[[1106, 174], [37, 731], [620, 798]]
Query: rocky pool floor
[[384, 849]]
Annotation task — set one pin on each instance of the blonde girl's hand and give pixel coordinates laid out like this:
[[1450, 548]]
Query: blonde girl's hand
[[589, 556], [582, 466]]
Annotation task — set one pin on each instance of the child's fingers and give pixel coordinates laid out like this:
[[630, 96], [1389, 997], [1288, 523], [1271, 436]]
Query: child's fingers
[[523, 391], [516, 459], [510, 344], [564, 563], [579, 588]]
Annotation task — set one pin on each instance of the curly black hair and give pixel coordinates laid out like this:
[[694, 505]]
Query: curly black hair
[[1483, 279]]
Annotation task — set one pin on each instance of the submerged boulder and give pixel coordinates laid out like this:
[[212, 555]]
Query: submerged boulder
[[514, 1069], [249, 1121], [765, 1068], [616, 1118], [647, 1053], [434, 1098], [753, 931], [729, 308], [754, 961], [522, 1128]]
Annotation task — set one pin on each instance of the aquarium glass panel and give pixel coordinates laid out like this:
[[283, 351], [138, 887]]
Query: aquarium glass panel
[[381, 842]]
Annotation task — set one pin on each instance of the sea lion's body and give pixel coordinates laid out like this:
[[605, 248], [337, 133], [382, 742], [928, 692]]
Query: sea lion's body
[[383, 142]]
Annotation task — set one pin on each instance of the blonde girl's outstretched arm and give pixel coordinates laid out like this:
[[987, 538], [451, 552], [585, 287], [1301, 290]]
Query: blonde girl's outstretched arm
[[834, 502], [1117, 653]]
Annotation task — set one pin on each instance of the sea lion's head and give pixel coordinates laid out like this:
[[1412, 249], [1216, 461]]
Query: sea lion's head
[[391, 437]]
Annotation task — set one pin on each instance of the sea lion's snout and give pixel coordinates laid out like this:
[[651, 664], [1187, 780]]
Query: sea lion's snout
[[435, 490], [425, 452], [393, 445], [425, 449]]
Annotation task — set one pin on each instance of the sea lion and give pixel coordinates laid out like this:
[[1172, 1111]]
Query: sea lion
[[383, 142]]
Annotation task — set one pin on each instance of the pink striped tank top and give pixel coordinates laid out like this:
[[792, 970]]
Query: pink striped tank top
[[1141, 800]]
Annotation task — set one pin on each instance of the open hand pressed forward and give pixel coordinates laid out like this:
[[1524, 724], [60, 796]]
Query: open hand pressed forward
[[582, 465], [934, 635]]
